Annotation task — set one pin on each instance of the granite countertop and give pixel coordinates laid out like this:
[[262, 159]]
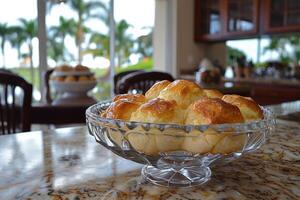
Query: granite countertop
[[68, 164], [258, 80]]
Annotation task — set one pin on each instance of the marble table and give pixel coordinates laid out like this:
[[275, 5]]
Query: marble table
[[68, 164]]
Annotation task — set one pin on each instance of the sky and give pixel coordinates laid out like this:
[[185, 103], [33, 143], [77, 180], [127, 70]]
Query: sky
[[138, 13]]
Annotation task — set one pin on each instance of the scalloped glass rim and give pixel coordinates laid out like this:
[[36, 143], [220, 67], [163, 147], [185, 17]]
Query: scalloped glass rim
[[93, 113]]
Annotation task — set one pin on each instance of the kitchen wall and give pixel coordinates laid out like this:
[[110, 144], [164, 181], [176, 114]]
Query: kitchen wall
[[174, 48]]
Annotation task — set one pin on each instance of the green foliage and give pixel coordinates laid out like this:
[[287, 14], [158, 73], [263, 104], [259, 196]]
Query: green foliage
[[144, 45], [124, 43], [5, 32], [85, 11], [25, 73], [279, 44], [146, 64], [102, 45], [57, 35], [233, 54]]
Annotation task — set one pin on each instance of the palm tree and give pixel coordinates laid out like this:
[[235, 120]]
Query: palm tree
[[65, 27], [17, 38], [144, 45], [85, 11], [102, 45], [29, 28], [5, 32], [124, 42], [55, 50]]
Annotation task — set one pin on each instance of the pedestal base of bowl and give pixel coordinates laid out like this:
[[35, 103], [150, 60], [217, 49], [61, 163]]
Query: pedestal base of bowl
[[178, 171]]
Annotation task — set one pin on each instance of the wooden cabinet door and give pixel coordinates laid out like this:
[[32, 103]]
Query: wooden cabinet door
[[241, 17], [208, 20], [281, 16], [217, 20]]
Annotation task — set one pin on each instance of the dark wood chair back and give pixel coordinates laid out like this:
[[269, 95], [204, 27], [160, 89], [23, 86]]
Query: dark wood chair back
[[141, 82], [119, 76], [13, 117], [47, 93]]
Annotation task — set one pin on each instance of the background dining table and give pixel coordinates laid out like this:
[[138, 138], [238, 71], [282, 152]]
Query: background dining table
[[67, 163]]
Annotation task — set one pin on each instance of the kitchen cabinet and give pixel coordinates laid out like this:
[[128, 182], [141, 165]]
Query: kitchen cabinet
[[220, 20], [224, 19], [281, 16]]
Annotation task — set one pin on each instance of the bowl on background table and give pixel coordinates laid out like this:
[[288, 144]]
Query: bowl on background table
[[73, 92]]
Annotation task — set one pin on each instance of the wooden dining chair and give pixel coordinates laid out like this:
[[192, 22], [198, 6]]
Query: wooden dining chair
[[141, 82], [15, 103], [48, 96], [119, 76]]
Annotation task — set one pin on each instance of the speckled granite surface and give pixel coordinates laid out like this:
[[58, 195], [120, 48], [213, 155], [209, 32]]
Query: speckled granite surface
[[69, 164]]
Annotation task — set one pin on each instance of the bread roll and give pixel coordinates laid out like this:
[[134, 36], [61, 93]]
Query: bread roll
[[130, 97], [142, 141], [81, 68], [158, 111], [212, 111], [121, 109], [196, 142], [229, 143], [183, 92], [212, 93], [83, 78], [154, 91], [248, 107], [59, 78], [70, 79]]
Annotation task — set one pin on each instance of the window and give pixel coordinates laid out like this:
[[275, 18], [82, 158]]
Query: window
[[18, 36], [78, 32]]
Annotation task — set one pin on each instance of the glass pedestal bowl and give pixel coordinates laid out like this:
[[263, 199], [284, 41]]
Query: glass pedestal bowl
[[177, 155]]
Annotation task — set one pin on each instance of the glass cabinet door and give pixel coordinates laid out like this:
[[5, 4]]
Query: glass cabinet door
[[210, 15], [293, 12], [284, 13], [241, 15]]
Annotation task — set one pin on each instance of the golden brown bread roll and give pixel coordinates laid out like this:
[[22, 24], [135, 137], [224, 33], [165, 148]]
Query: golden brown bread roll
[[121, 109], [212, 93], [130, 97], [70, 79], [183, 92], [83, 78], [142, 142], [212, 111], [229, 143], [154, 91], [59, 78], [81, 68], [248, 107], [196, 142], [158, 111]]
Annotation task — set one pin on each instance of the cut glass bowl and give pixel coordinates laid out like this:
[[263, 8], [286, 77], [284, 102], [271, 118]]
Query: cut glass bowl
[[177, 155]]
